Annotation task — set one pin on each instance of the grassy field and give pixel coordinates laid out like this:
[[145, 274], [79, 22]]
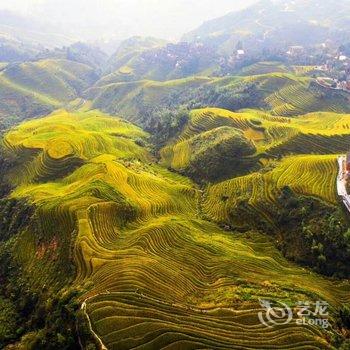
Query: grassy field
[[158, 275]]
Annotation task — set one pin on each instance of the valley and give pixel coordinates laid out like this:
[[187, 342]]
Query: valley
[[178, 195]]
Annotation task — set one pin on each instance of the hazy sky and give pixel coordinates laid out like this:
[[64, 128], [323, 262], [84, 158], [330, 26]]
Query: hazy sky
[[92, 19]]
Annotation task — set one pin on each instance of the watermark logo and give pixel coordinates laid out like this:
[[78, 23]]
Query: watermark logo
[[302, 313], [275, 313]]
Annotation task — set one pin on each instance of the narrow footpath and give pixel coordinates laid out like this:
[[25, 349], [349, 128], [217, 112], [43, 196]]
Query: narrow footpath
[[83, 308]]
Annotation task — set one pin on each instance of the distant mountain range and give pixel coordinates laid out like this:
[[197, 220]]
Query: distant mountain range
[[264, 31], [266, 25], [277, 24], [30, 31]]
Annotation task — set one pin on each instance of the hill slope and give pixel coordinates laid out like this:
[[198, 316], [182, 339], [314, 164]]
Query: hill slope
[[36, 88], [265, 137], [153, 59], [140, 247], [284, 94], [273, 24]]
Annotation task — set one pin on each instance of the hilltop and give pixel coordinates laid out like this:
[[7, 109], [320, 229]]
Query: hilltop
[[89, 55], [12, 50], [131, 50]]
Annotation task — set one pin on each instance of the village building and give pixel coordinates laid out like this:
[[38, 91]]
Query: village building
[[295, 50], [240, 54]]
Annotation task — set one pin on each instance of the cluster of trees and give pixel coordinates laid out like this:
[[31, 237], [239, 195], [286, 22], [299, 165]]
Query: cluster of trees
[[243, 95], [8, 317], [341, 340], [314, 233], [163, 123], [307, 231], [220, 153], [43, 320], [166, 119], [232, 97], [14, 215], [7, 161]]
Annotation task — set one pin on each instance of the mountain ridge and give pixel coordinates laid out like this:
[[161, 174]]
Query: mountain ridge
[[267, 19]]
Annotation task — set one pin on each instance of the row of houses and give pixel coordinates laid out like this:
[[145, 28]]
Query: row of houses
[[334, 84]]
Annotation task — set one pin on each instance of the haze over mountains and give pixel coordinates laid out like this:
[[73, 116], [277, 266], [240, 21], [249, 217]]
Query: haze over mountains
[[266, 24], [279, 23], [92, 20]]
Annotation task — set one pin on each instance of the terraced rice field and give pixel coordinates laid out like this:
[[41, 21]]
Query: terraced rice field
[[62, 140], [283, 91], [303, 70], [312, 175], [292, 95], [314, 133], [33, 89], [186, 284], [158, 276], [54, 81], [265, 68], [177, 154], [119, 98]]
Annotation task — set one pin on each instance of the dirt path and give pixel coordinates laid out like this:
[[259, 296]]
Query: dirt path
[[83, 308]]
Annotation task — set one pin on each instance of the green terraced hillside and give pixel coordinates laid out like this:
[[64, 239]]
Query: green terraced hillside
[[220, 152], [281, 94], [132, 98], [156, 275], [282, 162], [123, 63], [174, 195], [147, 58], [265, 68], [312, 175], [270, 137], [36, 88]]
